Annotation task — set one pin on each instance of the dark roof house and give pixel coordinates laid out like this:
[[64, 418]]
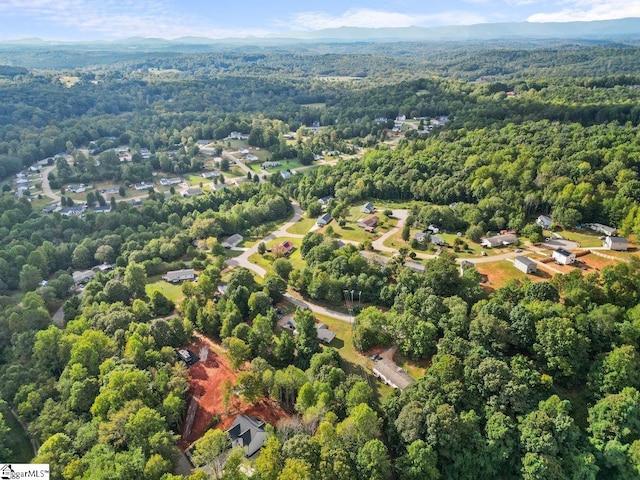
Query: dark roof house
[[247, 433]]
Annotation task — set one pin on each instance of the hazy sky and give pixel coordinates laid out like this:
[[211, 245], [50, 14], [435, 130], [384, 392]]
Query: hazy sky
[[112, 19]]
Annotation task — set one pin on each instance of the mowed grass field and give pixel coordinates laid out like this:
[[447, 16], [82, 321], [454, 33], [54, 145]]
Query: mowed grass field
[[170, 290]]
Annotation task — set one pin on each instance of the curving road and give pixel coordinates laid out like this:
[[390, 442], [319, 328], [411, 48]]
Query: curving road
[[46, 188]]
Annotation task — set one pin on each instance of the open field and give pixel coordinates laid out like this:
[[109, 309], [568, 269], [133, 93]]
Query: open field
[[302, 226], [596, 262], [284, 165], [500, 272], [172, 291]]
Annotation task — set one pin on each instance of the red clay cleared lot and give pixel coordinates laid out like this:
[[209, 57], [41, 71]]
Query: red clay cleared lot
[[206, 382]]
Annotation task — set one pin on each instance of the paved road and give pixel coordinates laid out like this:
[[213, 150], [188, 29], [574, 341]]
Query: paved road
[[319, 309], [243, 259], [46, 188], [378, 244]]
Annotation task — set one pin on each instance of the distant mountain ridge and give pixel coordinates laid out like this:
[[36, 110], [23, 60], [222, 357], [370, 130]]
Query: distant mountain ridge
[[601, 29]]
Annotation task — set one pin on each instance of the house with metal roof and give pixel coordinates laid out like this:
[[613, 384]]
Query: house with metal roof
[[324, 219], [525, 264]]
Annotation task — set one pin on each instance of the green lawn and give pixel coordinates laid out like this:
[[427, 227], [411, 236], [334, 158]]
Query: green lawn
[[302, 226], [353, 362], [351, 231], [20, 443], [172, 291], [284, 165], [586, 238], [267, 259]]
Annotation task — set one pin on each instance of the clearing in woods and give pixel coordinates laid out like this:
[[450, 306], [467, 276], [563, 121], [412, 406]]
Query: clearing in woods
[[206, 394]]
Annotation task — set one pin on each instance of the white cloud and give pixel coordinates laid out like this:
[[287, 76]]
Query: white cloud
[[364, 17], [114, 18], [590, 10]]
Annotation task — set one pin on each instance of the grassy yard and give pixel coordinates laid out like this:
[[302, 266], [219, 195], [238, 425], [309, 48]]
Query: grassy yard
[[500, 272], [267, 259], [284, 165], [172, 291], [351, 231], [586, 238], [302, 226], [20, 443], [353, 362]]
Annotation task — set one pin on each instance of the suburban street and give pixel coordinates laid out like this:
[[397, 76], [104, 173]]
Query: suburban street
[[46, 188], [401, 214]]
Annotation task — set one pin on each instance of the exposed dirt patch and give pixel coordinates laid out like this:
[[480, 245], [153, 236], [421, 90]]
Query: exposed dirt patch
[[206, 386]]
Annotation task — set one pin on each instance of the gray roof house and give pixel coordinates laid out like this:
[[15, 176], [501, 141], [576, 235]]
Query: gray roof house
[[233, 241], [80, 277], [325, 334], [176, 276], [525, 264], [391, 374], [368, 208], [324, 219], [604, 229], [247, 433], [544, 221], [616, 243], [499, 240]]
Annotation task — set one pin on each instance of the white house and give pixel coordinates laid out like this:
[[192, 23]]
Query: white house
[[544, 221], [210, 174], [525, 264], [285, 174], [143, 186], [252, 158], [266, 165], [563, 257], [499, 240], [616, 243]]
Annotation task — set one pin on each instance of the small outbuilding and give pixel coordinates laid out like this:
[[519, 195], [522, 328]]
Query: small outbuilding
[[525, 264]]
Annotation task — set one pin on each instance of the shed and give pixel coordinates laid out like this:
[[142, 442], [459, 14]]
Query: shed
[[525, 264]]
